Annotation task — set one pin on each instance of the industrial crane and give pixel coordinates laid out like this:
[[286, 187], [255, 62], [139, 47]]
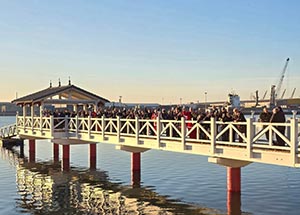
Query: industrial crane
[[293, 93], [278, 87], [275, 89]]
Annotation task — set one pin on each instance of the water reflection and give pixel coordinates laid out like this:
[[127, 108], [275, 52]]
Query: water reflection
[[44, 189]]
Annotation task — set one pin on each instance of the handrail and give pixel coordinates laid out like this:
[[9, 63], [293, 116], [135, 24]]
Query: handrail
[[8, 131], [168, 128], [249, 135]]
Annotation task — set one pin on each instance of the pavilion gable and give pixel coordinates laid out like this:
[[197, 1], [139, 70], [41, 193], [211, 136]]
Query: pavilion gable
[[69, 94]]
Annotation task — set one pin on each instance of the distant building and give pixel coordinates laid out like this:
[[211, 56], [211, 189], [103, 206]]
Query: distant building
[[234, 100], [8, 109], [132, 105]]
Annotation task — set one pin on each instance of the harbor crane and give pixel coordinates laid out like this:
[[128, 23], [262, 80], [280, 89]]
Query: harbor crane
[[265, 94], [278, 87], [275, 89], [293, 93], [283, 94]]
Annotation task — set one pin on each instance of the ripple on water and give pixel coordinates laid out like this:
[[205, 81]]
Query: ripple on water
[[7, 186]]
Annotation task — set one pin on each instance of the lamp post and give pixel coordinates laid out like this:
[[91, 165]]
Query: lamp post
[[205, 99]]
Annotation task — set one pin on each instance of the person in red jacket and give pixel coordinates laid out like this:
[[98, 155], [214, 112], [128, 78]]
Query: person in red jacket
[[188, 116]]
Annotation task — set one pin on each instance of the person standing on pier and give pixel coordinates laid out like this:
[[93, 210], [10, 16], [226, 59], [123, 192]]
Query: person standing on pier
[[265, 116], [238, 116], [278, 116], [225, 117]]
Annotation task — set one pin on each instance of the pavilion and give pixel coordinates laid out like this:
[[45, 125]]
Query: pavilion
[[61, 96]]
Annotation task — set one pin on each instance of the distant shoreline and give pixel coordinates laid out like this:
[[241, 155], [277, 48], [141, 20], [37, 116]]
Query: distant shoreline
[[8, 114]]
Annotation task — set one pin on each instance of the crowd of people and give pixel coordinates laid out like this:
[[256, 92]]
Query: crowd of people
[[189, 113], [277, 116]]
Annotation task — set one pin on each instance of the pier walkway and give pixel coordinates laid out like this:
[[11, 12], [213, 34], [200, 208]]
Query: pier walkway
[[8, 131], [204, 138], [223, 143]]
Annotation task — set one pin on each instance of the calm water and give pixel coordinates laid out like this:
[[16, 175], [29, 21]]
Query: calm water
[[172, 183]]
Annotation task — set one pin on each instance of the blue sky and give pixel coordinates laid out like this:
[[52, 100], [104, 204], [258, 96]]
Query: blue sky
[[149, 51]]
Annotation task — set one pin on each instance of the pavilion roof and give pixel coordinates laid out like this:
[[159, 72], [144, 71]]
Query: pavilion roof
[[60, 90]]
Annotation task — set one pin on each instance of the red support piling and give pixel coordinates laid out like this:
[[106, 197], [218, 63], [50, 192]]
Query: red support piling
[[135, 168], [55, 152], [66, 158], [234, 203], [136, 161], [22, 149], [93, 156], [233, 179], [32, 150]]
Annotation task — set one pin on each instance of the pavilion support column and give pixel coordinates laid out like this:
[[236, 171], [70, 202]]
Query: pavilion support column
[[24, 110], [75, 107], [55, 152], [32, 150], [84, 107], [41, 109], [93, 156], [65, 165], [32, 110]]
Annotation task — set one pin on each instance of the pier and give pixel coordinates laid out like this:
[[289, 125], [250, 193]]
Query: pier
[[139, 135]]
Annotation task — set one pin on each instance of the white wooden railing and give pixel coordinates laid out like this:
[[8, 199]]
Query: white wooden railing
[[8, 131], [212, 134]]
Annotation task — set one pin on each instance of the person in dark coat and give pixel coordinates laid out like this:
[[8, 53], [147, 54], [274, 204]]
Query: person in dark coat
[[265, 116], [225, 117], [238, 116], [278, 116]]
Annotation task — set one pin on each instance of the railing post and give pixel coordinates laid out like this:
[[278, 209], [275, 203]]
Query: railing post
[[89, 126], [213, 134], [17, 116], [17, 122], [270, 142], [183, 131], [158, 130], [288, 129], [51, 126], [118, 129], [41, 123], [294, 140], [32, 117], [250, 135], [148, 130], [137, 130], [24, 116], [66, 126], [103, 127], [77, 125]]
